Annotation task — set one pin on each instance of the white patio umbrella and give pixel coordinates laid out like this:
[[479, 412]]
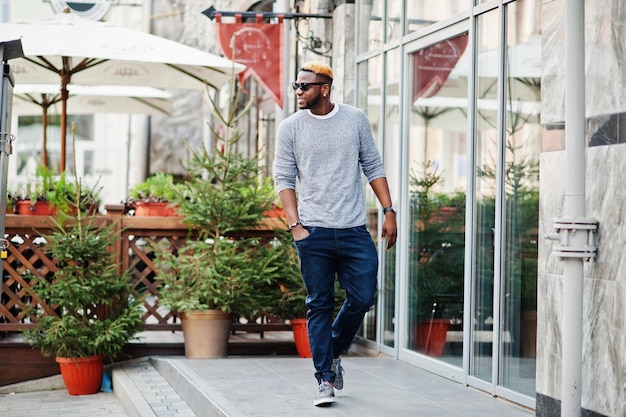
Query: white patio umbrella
[[33, 99], [45, 99], [68, 49]]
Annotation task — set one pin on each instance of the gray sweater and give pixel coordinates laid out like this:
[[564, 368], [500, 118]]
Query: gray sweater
[[327, 154]]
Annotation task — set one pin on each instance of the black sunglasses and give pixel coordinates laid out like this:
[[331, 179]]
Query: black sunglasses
[[303, 86]]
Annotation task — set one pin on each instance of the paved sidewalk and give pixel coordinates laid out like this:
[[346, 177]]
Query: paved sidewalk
[[59, 403], [285, 386], [268, 386]]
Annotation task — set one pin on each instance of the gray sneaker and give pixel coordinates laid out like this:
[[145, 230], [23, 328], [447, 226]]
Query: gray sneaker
[[325, 395], [338, 370]]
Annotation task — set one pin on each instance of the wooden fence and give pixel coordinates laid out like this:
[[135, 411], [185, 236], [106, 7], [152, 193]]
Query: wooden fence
[[27, 253]]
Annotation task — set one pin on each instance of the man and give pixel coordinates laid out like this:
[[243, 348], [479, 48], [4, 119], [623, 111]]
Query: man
[[327, 146]]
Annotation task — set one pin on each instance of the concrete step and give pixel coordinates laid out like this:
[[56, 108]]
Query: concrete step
[[285, 387], [143, 392], [204, 399]]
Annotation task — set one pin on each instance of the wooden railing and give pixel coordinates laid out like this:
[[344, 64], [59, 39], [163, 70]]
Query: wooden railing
[[27, 253]]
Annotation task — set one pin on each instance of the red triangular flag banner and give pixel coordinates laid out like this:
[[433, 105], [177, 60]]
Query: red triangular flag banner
[[258, 46], [434, 64]]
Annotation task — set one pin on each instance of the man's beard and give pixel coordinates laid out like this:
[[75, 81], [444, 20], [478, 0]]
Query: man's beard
[[312, 103]]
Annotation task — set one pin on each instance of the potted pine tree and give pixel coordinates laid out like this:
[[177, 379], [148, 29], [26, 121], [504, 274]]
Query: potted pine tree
[[96, 311], [218, 273], [88, 312], [436, 259], [289, 303], [289, 299]]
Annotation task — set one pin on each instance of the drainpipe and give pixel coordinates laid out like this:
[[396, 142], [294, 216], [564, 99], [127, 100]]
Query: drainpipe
[[575, 233]]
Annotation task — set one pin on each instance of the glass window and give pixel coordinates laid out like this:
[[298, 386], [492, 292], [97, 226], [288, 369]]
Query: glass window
[[392, 148], [394, 20], [30, 144], [88, 163], [437, 192], [423, 13], [486, 114], [370, 25], [369, 99], [521, 196], [507, 177]]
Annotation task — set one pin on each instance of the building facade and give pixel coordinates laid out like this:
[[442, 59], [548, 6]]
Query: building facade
[[466, 100], [453, 94]]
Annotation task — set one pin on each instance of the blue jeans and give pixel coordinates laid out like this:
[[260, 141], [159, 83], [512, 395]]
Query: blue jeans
[[350, 255]]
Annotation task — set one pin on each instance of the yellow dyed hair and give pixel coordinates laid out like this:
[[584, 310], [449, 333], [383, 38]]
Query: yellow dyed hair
[[319, 68]]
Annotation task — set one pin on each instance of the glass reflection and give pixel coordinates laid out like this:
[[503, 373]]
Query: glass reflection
[[486, 159], [370, 25], [391, 155], [522, 141], [424, 13], [394, 21], [507, 176], [369, 99], [437, 186]]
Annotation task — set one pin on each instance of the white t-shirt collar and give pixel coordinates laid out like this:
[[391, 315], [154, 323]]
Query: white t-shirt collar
[[326, 116]]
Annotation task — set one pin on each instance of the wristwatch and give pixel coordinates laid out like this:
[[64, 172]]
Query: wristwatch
[[292, 226], [388, 209]]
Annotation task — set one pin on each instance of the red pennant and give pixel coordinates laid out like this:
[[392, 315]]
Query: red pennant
[[259, 46], [434, 64]]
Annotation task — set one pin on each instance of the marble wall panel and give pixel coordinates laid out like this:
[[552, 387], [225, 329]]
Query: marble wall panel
[[606, 201], [603, 346], [604, 340], [551, 196], [549, 353], [605, 28]]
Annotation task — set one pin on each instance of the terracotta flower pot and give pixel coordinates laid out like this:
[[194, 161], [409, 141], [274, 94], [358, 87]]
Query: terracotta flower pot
[[40, 208], [301, 337], [155, 209], [206, 333], [150, 209], [275, 213], [82, 376], [430, 336]]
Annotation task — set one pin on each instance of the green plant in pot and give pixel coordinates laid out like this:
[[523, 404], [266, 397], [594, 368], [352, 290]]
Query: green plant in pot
[[89, 311], [436, 259], [68, 197], [289, 300], [44, 193], [521, 215], [11, 202], [219, 272], [152, 197], [51, 194], [86, 310]]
